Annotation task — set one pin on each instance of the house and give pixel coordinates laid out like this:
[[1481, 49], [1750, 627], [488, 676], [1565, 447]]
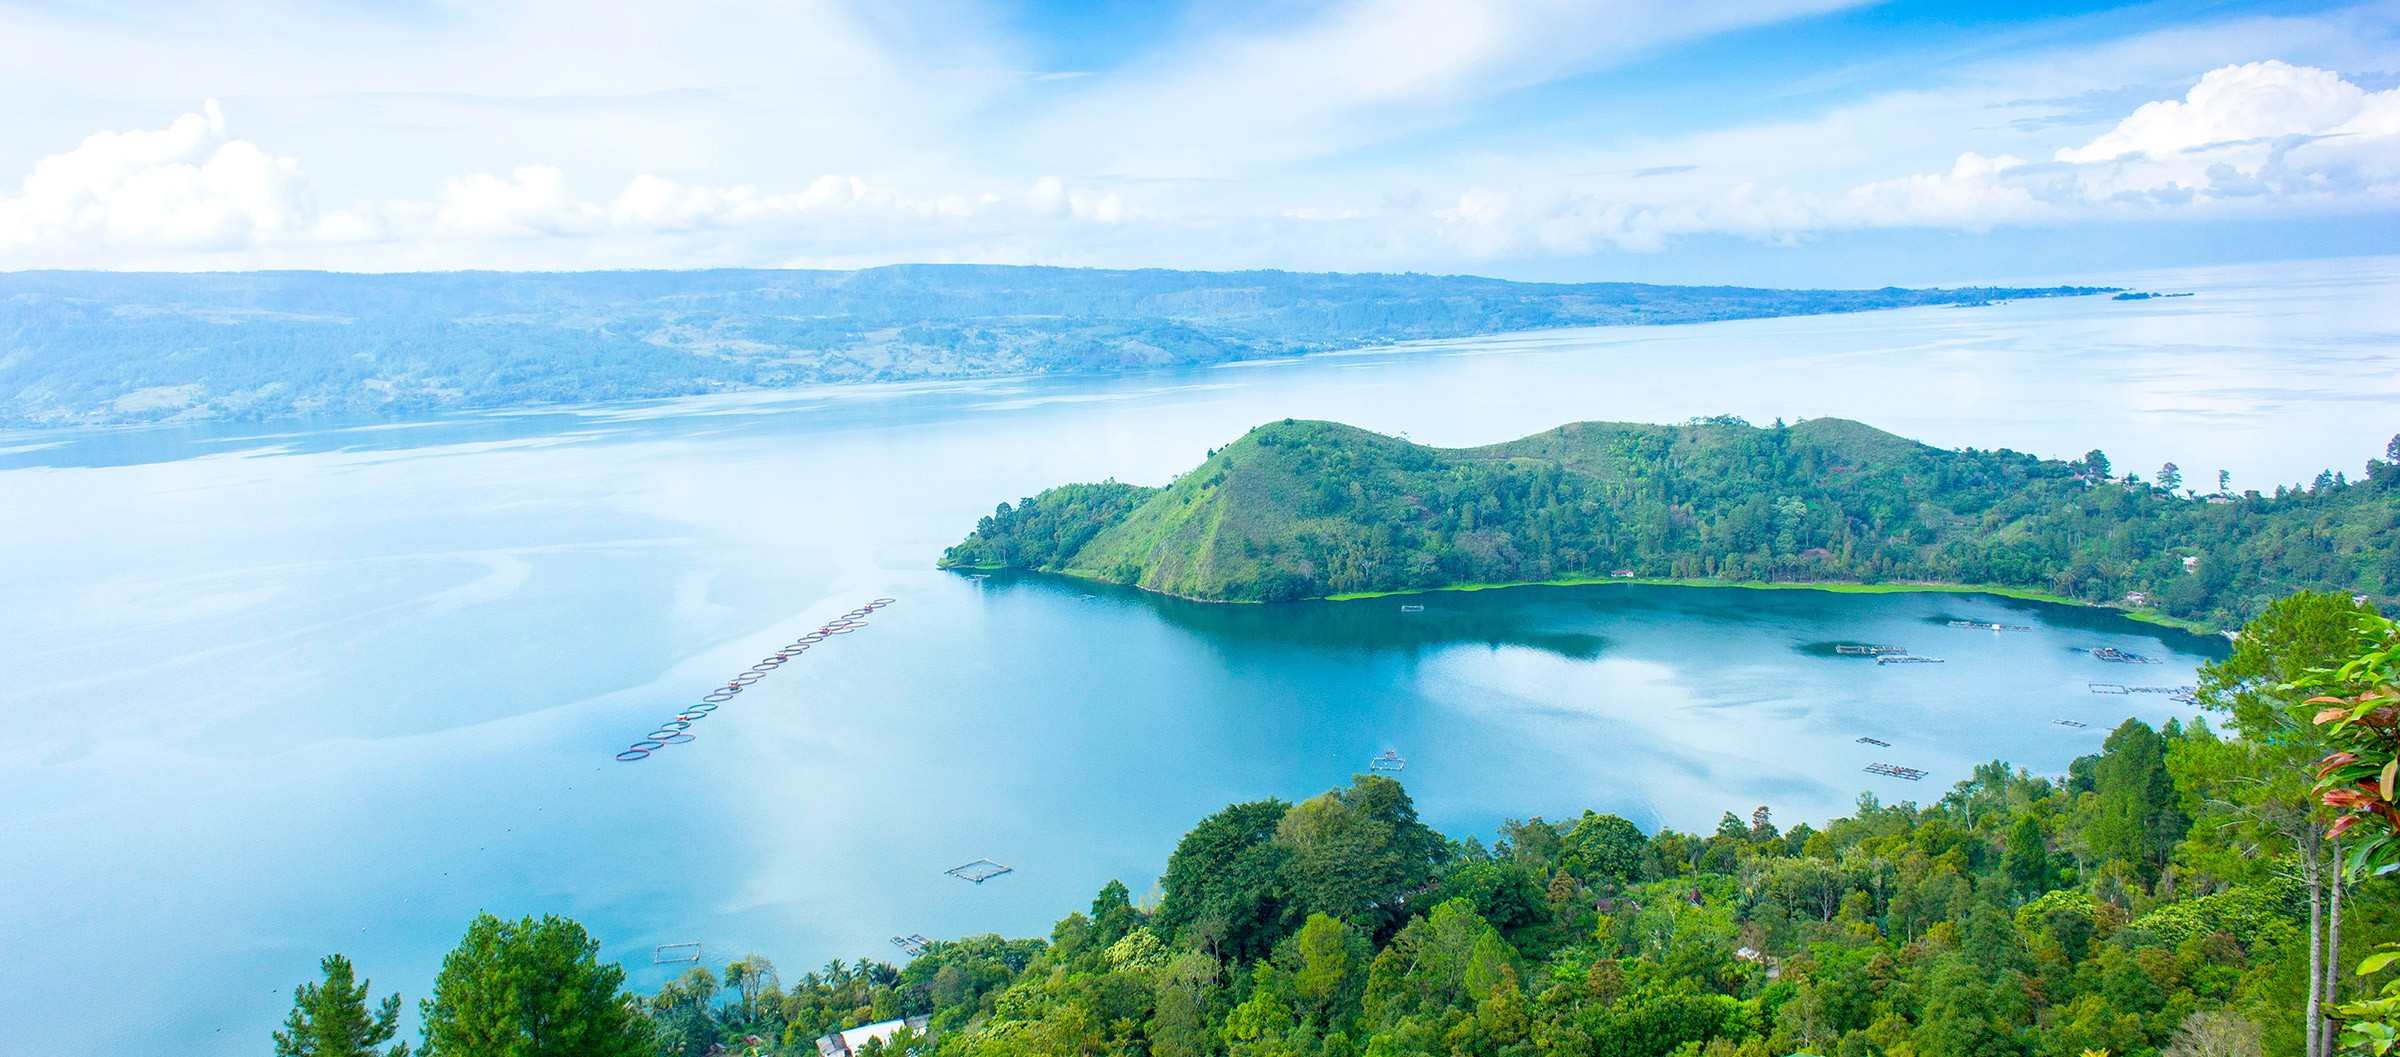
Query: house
[[845, 1043], [2136, 598], [1623, 574]]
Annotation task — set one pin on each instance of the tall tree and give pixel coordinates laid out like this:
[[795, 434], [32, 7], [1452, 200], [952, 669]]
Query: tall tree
[[331, 1019], [531, 988], [2263, 785]]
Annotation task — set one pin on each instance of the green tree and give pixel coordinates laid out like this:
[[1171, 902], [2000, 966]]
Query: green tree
[[331, 1019], [1356, 852], [2139, 817], [531, 988], [2263, 785], [1326, 963], [2026, 860], [1223, 890], [1604, 848]]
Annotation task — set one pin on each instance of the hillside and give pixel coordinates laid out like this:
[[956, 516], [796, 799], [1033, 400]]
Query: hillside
[[97, 347], [1298, 510]]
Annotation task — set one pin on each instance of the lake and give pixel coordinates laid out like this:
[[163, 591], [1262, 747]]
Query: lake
[[283, 690]]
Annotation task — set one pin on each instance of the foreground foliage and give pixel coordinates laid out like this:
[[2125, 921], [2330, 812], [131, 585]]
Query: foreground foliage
[[1308, 509]]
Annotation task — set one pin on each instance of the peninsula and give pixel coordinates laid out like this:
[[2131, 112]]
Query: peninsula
[[1301, 509]]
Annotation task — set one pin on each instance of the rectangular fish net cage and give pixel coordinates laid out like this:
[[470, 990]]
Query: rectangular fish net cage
[[675, 953], [979, 871], [1895, 771]]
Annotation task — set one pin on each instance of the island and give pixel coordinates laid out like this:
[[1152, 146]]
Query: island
[[1304, 510]]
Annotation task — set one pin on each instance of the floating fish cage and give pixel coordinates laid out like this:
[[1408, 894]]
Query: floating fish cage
[[2116, 656], [979, 871], [1906, 658], [1389, 761], [912, 944], [1895, 771], [2109, 688], [2070, 723], [1868, 651], [1981, 626], [675, 953], [1875, 741], [1412, 609]]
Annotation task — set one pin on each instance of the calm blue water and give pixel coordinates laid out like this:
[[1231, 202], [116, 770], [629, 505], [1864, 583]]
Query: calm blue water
[[279, 691]]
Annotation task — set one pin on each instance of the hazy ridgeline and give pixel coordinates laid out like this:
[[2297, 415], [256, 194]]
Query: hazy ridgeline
[[97, 347]]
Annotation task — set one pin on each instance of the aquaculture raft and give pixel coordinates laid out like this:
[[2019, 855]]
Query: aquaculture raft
[[2117, 656], [1906, 658], [1412, 609], [1895, 771], [979, 871], [1389, 761], [1875, 741], [1867, 651], [676, 731], [2070, 723], [1981, 626], [675, 953], [913, 944]]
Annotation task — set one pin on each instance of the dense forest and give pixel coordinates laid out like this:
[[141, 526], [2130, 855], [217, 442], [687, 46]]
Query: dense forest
[[2174, 893], [84, 347], [1300, 509]]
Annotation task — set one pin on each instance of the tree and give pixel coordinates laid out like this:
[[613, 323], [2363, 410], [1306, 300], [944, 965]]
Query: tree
[[2269, 787], [2170, 477], [1604, 848], [331, 1019], [1325, 962], [1223, 888], [2026, 860], [531, 988], [2224, 481], [2137, 818], [1355, 852], [2096, 464]]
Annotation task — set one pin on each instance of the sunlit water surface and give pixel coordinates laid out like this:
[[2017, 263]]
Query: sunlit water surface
[[279, 691]]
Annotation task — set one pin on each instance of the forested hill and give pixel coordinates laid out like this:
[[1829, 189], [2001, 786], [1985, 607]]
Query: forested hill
[[80, 347], [1307, 509]]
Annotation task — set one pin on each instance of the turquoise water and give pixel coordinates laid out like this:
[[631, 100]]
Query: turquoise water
[[278, 691]]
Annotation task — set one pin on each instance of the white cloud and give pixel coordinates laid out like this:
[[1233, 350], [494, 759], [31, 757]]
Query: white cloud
[[184, 187], [2237, 104], [532, 202]]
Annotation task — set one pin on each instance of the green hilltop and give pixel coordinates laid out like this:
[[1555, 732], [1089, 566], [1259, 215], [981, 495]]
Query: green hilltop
[[1304, 509]]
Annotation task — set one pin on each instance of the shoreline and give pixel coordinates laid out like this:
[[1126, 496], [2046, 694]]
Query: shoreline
[[2023, 594]]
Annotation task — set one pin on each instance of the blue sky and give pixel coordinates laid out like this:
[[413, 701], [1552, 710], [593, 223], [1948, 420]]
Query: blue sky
[[1734, 140]]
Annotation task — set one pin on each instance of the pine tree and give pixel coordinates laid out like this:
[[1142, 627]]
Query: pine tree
[[331, 1019], [531, 988]]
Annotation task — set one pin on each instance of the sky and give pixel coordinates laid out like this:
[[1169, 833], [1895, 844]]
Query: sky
[[1772, 141]]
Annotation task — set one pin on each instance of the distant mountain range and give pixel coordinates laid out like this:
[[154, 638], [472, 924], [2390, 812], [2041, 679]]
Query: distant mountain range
[[1298, 509], [104, 347]]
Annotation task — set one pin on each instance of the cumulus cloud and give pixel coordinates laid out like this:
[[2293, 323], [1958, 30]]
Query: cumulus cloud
[[184, 187], [191, 195]]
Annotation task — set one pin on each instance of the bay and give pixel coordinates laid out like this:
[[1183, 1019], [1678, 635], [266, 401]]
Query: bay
[[282, 690]]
